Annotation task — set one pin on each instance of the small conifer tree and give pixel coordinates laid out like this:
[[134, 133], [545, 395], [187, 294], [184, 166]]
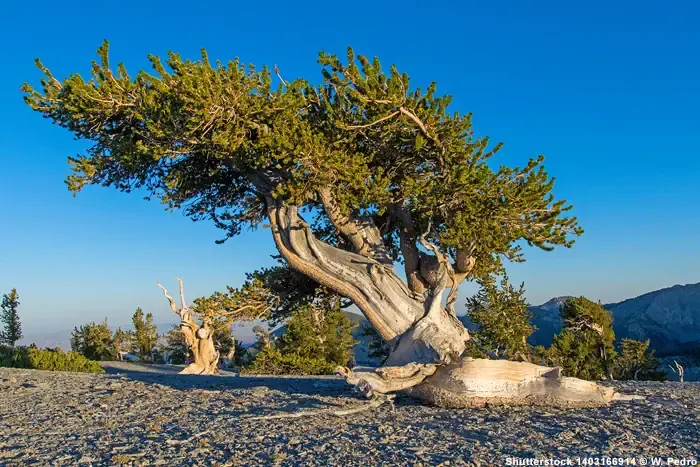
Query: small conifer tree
[[12, 328], [175, 346], [502, 319], [319, 332], [94, 341], [123, 341], [584, 347], [637, 362], [145, 334]]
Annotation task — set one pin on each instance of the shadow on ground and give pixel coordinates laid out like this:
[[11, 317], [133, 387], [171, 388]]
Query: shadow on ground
[[167, 375]]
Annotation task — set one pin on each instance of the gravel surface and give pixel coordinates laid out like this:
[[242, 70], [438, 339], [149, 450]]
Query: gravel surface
[[141, 415]]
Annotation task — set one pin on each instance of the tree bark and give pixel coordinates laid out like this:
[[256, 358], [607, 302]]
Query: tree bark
[[419, 328]]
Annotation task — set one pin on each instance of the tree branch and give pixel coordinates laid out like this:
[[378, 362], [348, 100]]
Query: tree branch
[[409, 249], [173, 306], [182, 293], [363, 235]]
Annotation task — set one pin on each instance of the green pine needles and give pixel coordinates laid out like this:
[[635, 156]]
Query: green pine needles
[[502, 319], [12, 327], [209, 137]]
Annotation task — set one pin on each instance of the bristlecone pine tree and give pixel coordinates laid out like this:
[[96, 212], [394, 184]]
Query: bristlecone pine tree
[[218, 311], [584, 347], [380, 168], [502, 319], [12, 327]]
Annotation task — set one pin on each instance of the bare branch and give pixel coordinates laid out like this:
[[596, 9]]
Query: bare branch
[[420, 124], [170, 299], [357, 127], [182, 293], [277, 72]]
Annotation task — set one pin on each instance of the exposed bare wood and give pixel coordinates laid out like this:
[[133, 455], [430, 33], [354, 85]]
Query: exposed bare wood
[[199, 339], [363, 235], [368, 125], [679, 370], [373, 381], [173, 306], [398, 314], [480, 382]]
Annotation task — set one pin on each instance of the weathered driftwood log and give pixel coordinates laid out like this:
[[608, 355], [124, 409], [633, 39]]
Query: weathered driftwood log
[[480, 382]]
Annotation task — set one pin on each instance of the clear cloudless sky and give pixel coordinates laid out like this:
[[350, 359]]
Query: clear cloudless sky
[[608, 91]]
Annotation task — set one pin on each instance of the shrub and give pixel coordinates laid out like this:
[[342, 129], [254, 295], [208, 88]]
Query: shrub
[[270, 361], [53, 360], [637, 362], [93, 341]]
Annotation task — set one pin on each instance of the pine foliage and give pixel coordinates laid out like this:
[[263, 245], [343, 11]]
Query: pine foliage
[[176, 346], [324, 333], [93, 341], [584, 347], [502, 319], [635, 361], [196, 134], [145, 334], [12, 327]]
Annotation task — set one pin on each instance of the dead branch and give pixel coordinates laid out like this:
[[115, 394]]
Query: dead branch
[[182, 293], [173, 306], [358, 127], [679, 370]]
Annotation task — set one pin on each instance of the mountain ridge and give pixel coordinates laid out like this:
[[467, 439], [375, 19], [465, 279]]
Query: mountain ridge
[[668, 317]]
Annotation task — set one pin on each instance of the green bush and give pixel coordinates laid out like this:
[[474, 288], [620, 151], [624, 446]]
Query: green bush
[[54, 360], [270, 361], [637, 362]]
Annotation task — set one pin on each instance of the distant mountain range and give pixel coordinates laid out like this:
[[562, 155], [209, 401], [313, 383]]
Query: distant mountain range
[[669, 317]]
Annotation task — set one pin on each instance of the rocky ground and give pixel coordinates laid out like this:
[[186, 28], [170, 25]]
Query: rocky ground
[[141, 415]]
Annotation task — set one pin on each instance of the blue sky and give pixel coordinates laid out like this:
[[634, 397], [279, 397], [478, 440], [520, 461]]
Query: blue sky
[[609, 92]]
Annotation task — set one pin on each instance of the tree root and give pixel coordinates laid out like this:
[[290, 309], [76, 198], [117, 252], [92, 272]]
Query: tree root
[[375, 402], [384, 380]]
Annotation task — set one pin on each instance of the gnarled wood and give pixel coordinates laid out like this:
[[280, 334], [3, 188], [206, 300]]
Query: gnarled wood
[[388, 379], [421, 330], [199, 339], [481, 382]]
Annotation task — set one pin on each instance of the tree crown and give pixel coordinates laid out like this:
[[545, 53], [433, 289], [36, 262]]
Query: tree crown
[[212, 138]]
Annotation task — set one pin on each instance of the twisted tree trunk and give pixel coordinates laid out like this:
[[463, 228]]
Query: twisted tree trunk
[[427, 339], [199, 339], [419, 328]]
